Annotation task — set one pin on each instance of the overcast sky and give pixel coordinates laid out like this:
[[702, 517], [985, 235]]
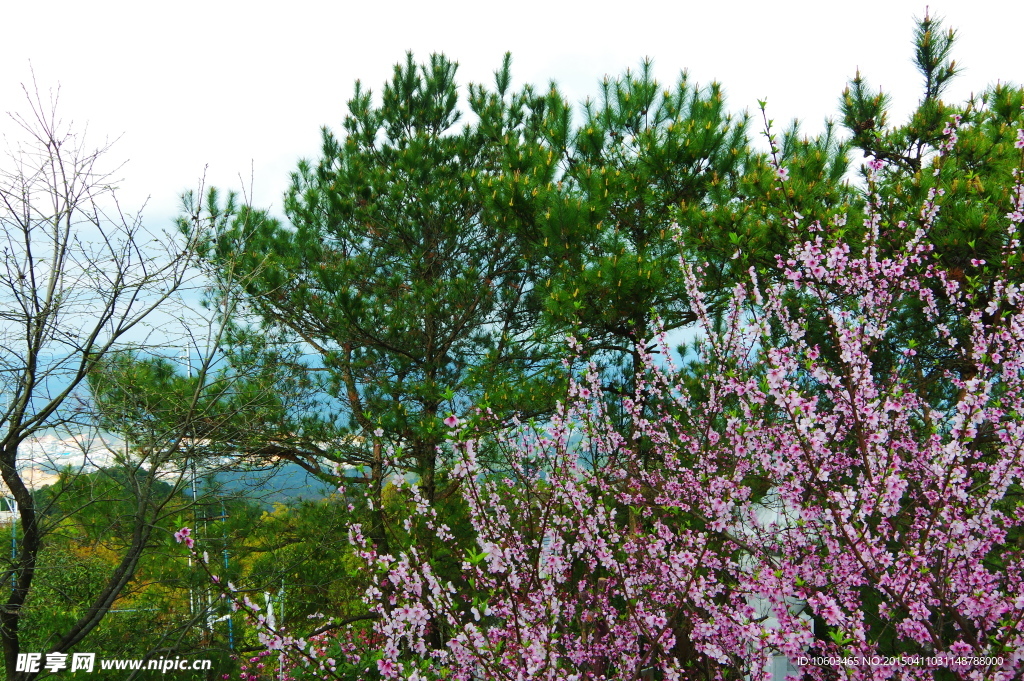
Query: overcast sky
[[242, 88]]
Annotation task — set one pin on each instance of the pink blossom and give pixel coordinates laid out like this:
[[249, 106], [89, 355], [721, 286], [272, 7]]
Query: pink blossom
[[183, 536], [796, 497]]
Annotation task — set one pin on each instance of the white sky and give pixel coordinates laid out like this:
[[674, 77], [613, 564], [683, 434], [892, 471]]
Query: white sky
[[243, 87]]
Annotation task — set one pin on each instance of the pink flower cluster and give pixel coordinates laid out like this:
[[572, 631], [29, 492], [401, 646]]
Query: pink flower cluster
[[804, 497], [183, 536], [798, 499]]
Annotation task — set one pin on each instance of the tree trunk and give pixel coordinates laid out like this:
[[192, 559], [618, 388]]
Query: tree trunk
[[23, 569]]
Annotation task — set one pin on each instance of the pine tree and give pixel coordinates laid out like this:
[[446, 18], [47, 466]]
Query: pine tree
[[400, 271], [969, 184], [641, 152]]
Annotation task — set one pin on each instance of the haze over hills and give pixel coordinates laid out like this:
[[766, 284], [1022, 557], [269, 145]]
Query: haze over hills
[[44, 457]]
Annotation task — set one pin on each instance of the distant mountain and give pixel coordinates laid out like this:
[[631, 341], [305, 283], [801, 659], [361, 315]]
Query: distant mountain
[[43, 457], [280, 485]]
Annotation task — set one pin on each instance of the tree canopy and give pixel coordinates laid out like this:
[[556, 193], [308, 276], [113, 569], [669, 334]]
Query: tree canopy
[[462, 327]]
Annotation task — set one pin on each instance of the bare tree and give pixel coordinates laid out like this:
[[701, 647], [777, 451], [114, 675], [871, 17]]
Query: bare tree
[[78, 279]]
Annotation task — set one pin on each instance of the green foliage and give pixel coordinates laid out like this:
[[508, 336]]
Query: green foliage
[[641, 152], [751, 219], [90, 520], [304, 550], [148, 400], [139, 397], [68, 582], [976, 174], [866, 115], [969, 184], [397, 270], [430, 266]]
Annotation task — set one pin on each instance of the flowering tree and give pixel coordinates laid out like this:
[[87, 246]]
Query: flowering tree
[[817, 487], [803, 507], [79, 282]]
